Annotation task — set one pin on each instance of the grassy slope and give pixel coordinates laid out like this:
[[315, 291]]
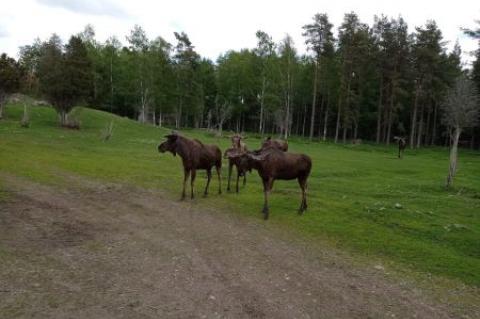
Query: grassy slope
[[352, 191]]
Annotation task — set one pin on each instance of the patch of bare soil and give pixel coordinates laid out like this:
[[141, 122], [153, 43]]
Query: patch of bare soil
[[112, 251]]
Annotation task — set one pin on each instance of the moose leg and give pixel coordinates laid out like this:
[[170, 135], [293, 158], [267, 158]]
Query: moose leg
[[192, 180], [267, 187], [399, 153], [230, 165], [219, 174], [186, 174], [303, 185], [209, 176], [238, 177], [244, 178]]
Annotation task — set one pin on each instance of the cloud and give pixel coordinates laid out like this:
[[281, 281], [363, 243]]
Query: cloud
[[3, 32], [92, 7]]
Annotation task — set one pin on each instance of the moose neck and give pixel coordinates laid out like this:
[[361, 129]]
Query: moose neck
[[182, 148]]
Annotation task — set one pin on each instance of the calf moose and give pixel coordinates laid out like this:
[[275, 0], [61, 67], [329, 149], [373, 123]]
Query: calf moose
[[240, 162], [278, 144], [402, 144], [195, 155], [273, 164], [238, 147], [237, 142]]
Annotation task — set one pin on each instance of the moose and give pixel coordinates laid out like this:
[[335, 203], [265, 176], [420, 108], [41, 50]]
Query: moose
[[237, 142], [238, 146], [273, 164], [402, 144], [274, 143], [240, 162], [195, 155]]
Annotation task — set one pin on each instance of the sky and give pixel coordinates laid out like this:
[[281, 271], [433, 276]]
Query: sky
[[215, 26]]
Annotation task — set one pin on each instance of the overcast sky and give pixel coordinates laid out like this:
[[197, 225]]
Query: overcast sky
[[215, 26]]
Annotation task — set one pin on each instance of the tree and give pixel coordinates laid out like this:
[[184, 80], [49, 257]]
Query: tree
[[163, 79], [9, 78], [188, 91], [461, 110], [288, 64], [65, 77], [111, 52], [427, 53], [29, 60], [352, 37], [139, 46], [265, 51], [392, 41], [319, 39]]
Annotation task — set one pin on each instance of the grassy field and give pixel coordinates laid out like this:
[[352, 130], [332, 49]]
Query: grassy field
[[361, 198]]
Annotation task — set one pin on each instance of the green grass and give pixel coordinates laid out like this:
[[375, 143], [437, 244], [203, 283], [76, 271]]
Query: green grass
[[353, 190]]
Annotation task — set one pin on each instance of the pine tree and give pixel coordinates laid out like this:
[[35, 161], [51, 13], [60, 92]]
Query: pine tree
[[319, 39], [427, 54]]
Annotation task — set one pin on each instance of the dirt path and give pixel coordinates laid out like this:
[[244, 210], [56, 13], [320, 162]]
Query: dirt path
[[112, 251]]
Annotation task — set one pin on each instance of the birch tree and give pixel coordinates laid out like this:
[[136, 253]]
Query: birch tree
[[461, 110]]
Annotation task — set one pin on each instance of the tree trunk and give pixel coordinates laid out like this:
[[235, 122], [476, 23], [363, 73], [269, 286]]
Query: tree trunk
[[63, 118], [379, 112], [304, 118], [344, 135], [322, 104], [262, 102], [414, 117], [434, 128], [178, 116], [220, 128], [3, 101], [389, 120], [355, 129], [325, 121], [420, 127], [339, 111], [111, 83], [426, 141], [452, 168], [314, 100], [287, 111]]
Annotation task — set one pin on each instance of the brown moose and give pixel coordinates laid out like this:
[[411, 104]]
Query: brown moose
[[402, 144], [195, 155], [273, 164], [240, 162], [238, 147], [274, 143]]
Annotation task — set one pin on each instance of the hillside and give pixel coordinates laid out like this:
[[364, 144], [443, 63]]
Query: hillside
[[362, 199]]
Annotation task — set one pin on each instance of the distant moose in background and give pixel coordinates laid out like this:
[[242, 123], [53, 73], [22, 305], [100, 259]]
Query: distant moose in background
[[195, 155], [278, 144], [402, 144], [240, 163]]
